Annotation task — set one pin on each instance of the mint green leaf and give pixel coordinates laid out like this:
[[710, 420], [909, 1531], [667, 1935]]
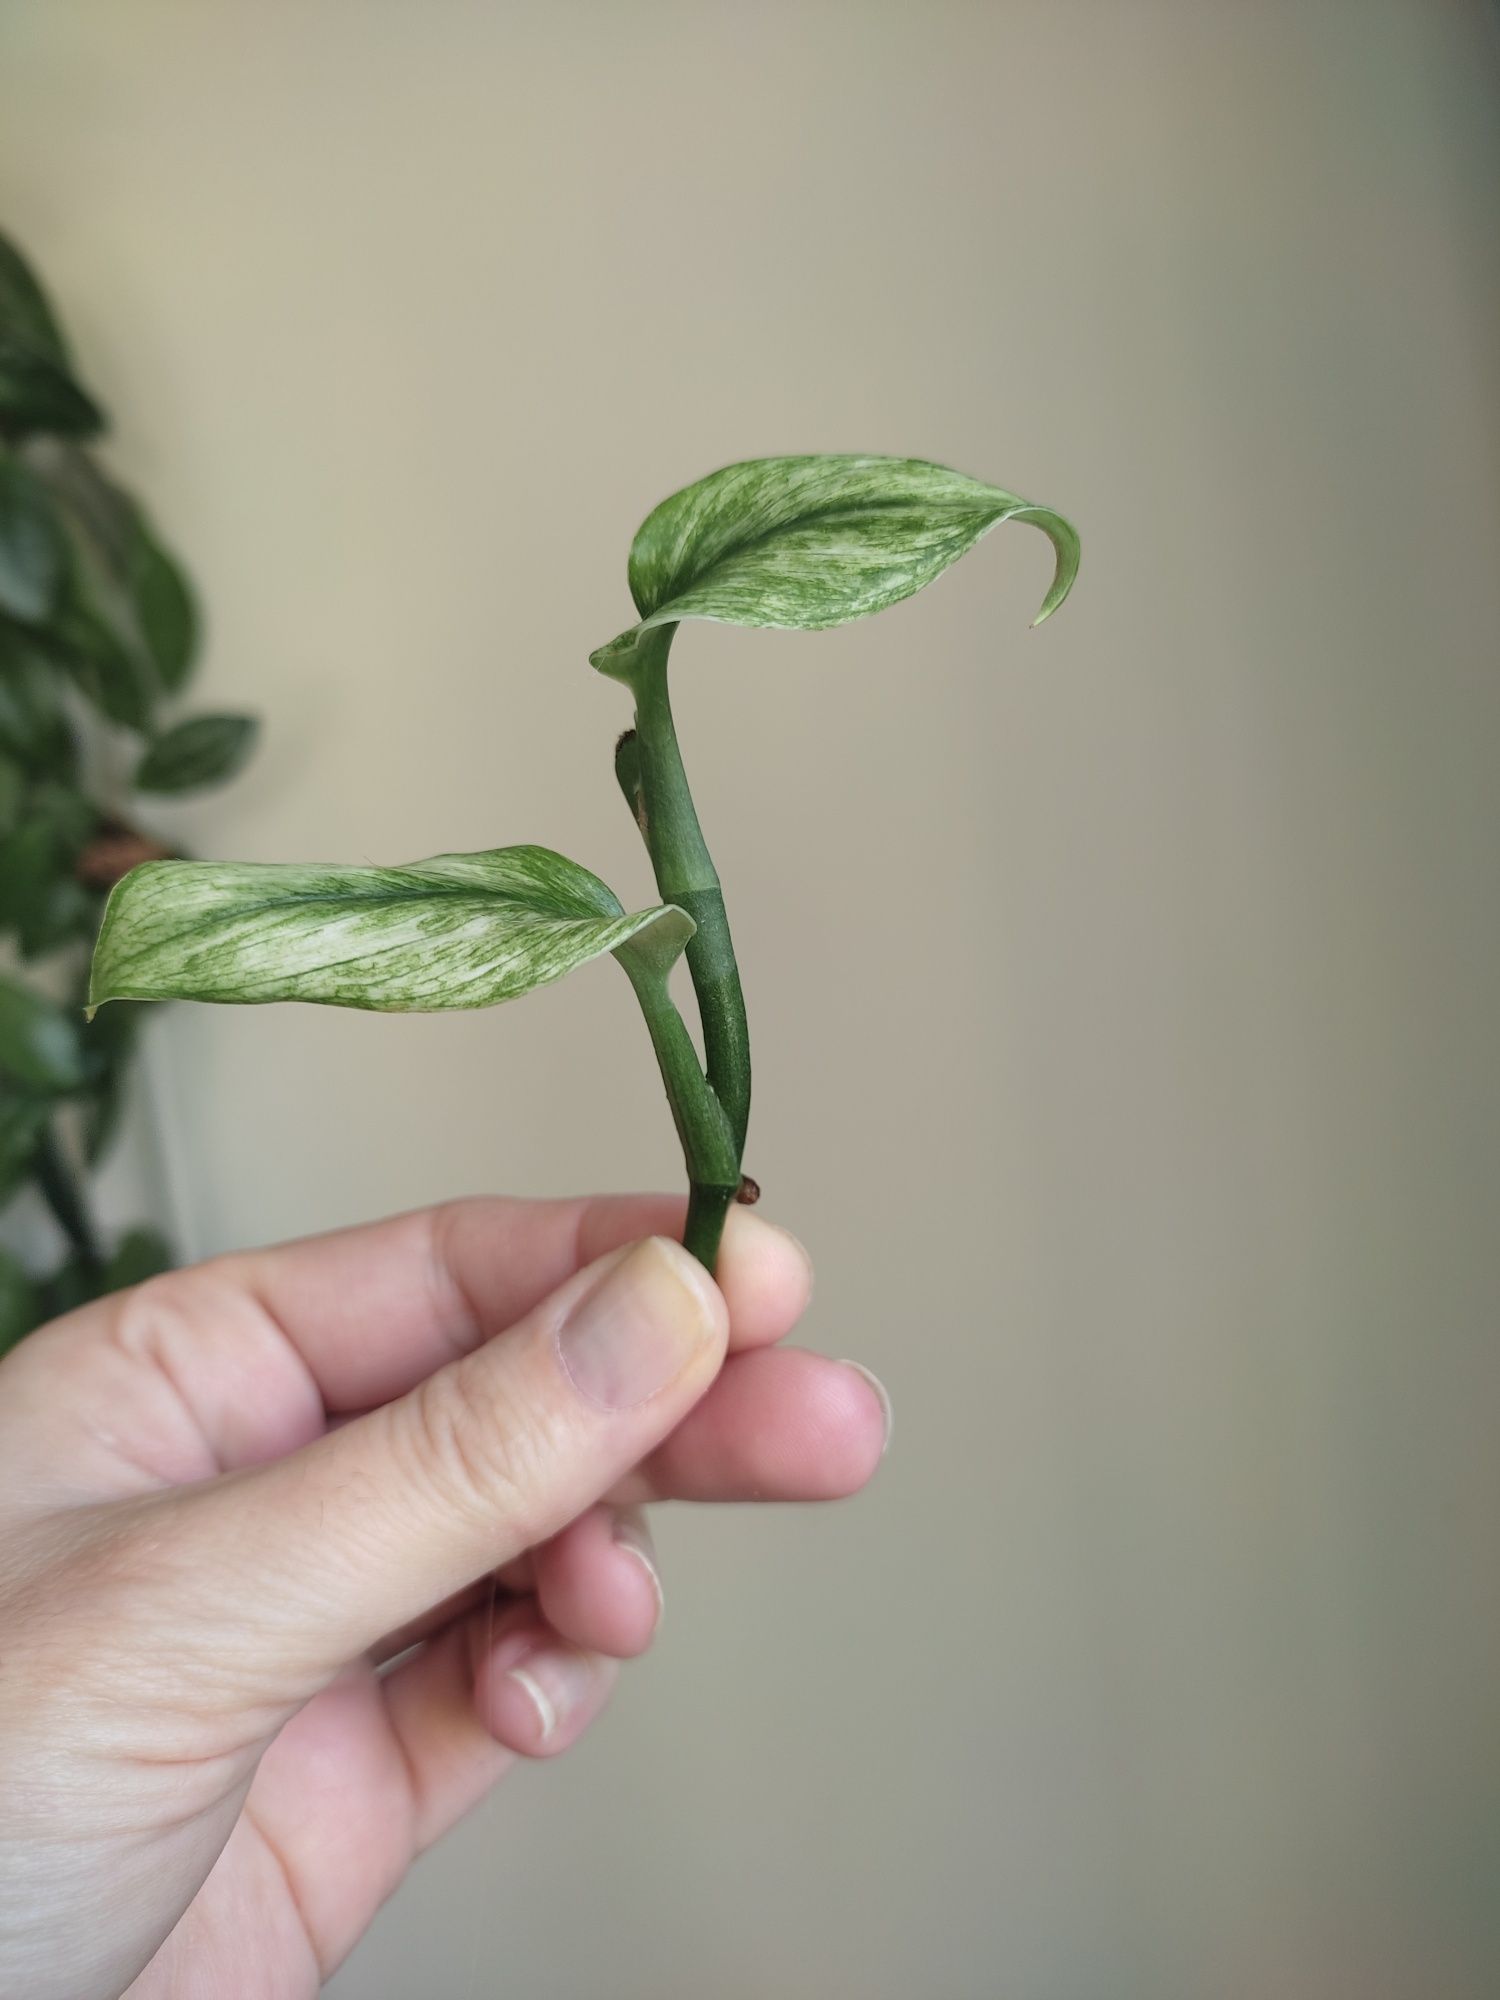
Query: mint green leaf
[[460, 930], [31, 544], [204, 750], [40, 1045], [807, 543]]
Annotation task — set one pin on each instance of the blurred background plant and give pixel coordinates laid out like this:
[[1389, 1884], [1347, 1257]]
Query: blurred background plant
[[99, 633]]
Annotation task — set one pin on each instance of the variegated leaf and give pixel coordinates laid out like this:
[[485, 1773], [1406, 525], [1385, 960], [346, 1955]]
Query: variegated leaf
[[806, 543], [460, 930]]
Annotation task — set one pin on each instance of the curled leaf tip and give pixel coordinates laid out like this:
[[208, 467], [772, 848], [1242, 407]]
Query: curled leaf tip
[[1064, 539]]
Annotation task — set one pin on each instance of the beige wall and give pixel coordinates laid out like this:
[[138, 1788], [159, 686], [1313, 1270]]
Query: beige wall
[[1124, 995]]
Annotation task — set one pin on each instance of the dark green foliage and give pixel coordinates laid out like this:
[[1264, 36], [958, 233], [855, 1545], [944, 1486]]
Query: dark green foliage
[[35, 729], [19, 1303], [164, 609], [42, 903], [99, 631], [139, 1254], [204, 750], [32, 554], [108, 1045], [22, 1122], [38, 398], [41, 1044]]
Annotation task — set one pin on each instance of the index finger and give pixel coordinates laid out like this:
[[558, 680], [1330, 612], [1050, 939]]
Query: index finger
[[373, 1310]]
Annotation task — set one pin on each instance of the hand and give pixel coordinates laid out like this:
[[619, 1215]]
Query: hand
[[232, 1496]]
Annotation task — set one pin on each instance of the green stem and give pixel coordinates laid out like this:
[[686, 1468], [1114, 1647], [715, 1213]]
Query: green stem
[[708, 1145], [707, 1208], [628, 777], [711, 1111], [686, 876], [64, 1197]]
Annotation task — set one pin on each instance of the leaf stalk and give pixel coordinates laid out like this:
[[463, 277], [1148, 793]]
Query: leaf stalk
[[686, 876], [708, 1145]]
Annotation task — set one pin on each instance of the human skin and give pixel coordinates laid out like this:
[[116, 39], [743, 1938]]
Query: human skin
[[301, 1548]]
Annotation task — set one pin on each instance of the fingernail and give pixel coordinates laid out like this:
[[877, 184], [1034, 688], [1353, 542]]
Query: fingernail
[[555, 1680], [634, 1537], [885, 1400], [640, 1326]]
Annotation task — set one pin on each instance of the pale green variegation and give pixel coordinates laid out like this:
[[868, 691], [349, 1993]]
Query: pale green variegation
[[807, 543], [459, 930]]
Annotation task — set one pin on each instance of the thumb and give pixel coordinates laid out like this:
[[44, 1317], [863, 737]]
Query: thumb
[[350, 1537]]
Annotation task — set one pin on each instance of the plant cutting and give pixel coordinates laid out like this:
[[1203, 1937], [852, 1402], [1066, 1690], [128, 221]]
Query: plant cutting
[[796, 543], [99, 635]]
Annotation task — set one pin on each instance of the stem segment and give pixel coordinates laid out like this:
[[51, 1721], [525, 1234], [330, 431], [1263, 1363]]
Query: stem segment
[[707, 1208], [708, 1145], [715, 1108], [686, 876]]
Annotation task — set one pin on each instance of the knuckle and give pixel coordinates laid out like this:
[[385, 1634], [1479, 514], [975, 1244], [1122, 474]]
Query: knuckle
[[148, 1314]]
